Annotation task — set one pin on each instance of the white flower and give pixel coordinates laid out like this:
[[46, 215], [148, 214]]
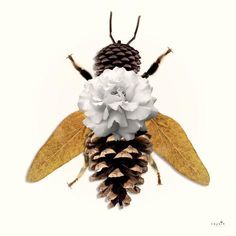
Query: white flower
[[118, 102]]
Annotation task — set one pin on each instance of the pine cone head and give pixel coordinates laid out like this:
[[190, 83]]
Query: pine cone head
[[117, 55]]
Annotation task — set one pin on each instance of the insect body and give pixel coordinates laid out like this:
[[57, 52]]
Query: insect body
[[121, 130]]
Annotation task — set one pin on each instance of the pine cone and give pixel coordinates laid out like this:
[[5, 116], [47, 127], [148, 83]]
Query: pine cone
[[119, 163], [117, 54]]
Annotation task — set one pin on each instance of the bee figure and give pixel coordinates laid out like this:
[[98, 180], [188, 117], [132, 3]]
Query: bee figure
[[117, 128]]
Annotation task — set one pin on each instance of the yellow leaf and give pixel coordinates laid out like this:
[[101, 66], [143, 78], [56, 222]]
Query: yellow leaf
[[171, 142], [65, 143]]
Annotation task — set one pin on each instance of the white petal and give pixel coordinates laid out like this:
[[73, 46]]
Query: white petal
[[129, 132], [119, 117], [101, 129], [128, 136], [142, 92], [115, 105], [95, 116], [105, 114], [109, 98], [88, 123], [129, 106], [141, 113]]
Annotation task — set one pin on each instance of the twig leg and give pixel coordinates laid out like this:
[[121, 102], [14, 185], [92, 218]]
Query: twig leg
[[83, 72], [153, 68], [81, 172], [154, 166]]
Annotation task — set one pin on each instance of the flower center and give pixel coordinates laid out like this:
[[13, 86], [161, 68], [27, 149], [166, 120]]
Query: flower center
[[119, 92]]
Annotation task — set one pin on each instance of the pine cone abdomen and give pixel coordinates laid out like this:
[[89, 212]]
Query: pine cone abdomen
[[120, 163]]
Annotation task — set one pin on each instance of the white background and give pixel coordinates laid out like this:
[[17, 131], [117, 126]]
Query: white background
[[195, 85]]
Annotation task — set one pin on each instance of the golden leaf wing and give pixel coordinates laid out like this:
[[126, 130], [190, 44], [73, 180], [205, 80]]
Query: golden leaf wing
[[65, 143], [171, 142]]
